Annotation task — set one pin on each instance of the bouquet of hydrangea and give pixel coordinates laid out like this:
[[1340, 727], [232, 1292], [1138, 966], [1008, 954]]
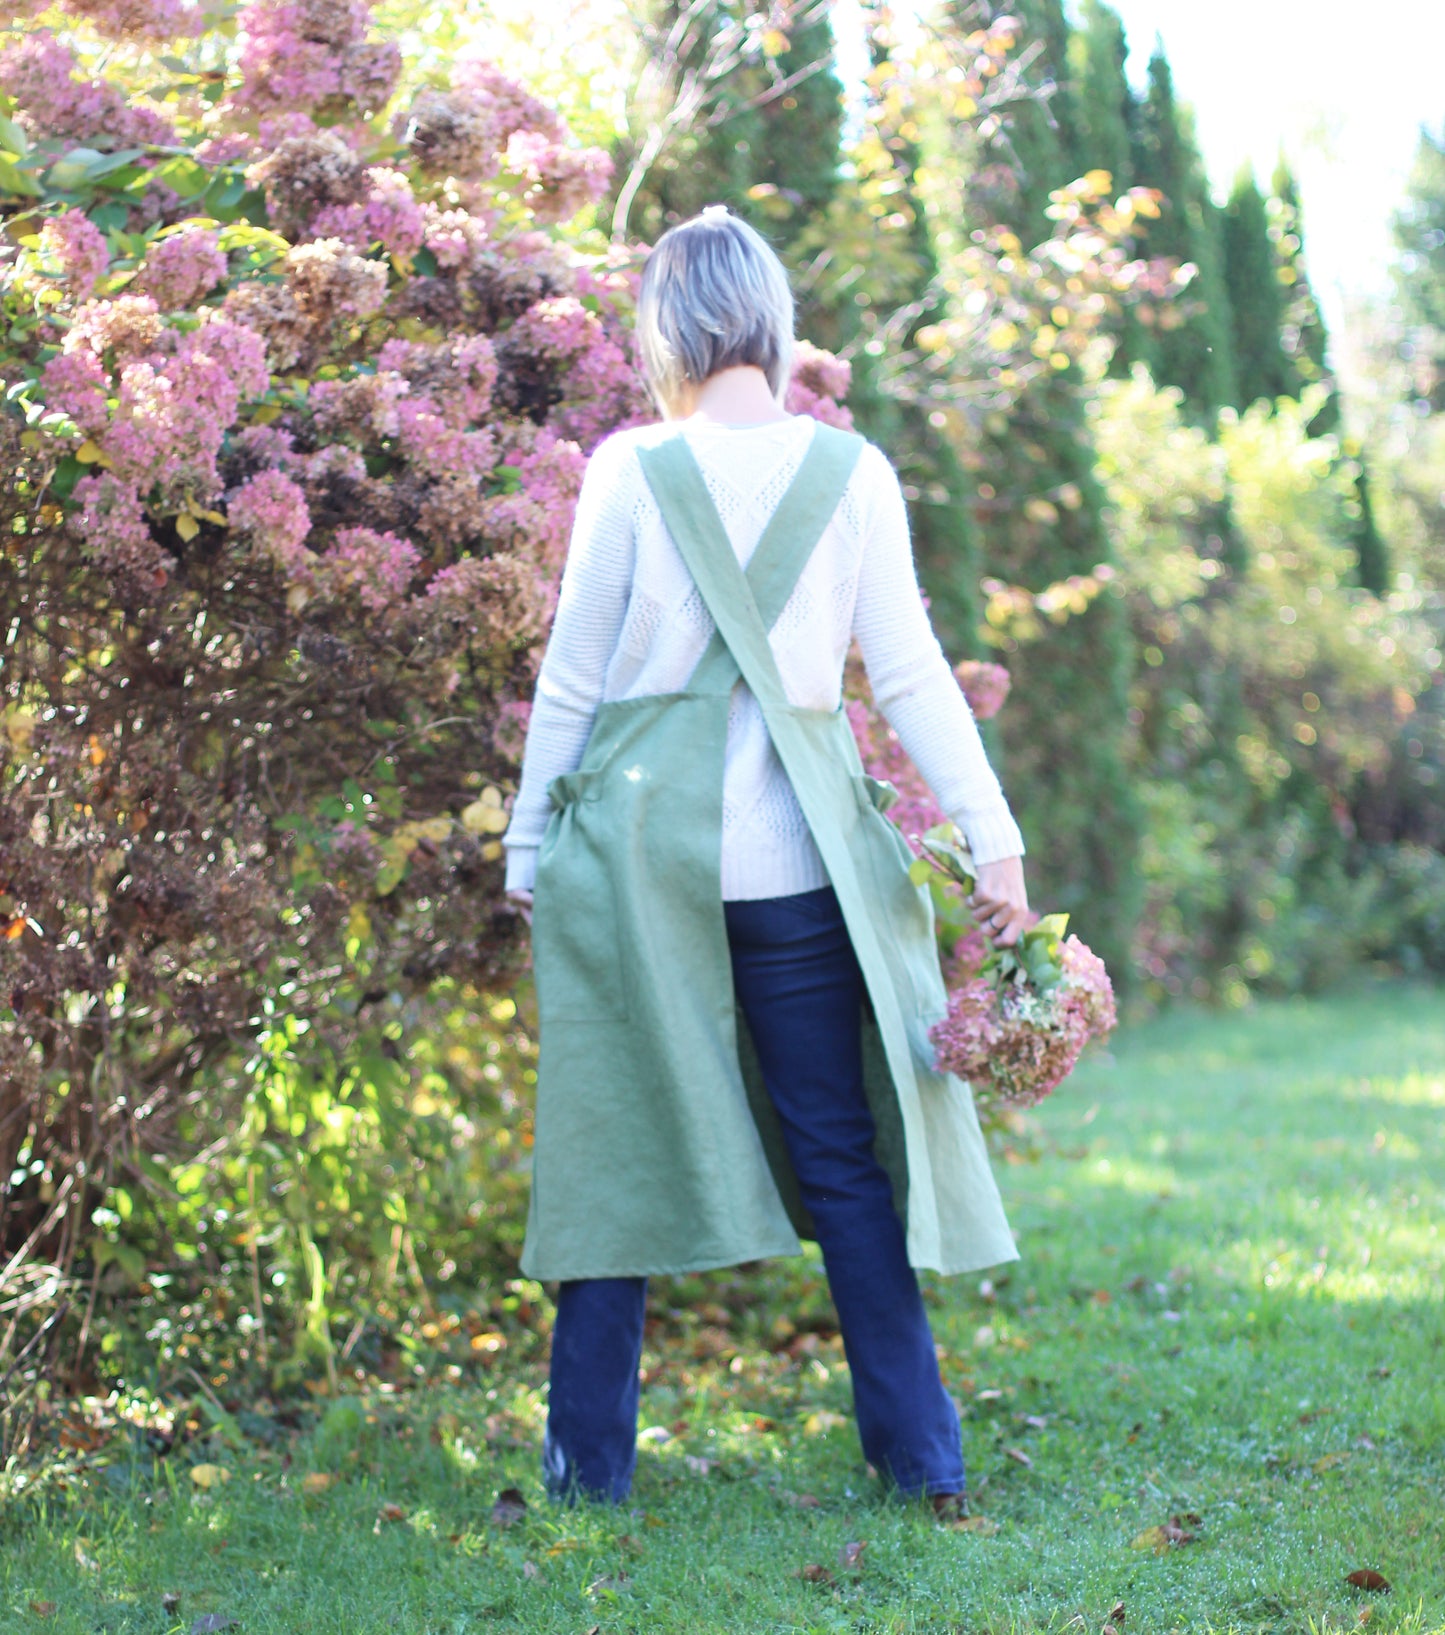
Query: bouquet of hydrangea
[[1017, 1017]]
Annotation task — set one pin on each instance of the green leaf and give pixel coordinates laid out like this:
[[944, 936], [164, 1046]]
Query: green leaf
[[184, 176], [65, 476], [13, 138], [16, 182], [920, 870], [1054, 924], [424, 264]]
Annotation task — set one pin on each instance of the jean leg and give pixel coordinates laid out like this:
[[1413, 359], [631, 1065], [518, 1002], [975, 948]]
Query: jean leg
[[590, 1447], [800, 987]]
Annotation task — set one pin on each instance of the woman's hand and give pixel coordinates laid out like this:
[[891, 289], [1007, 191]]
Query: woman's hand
[[522, 902], [1000, 901]]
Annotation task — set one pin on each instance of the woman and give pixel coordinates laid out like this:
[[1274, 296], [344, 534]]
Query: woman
[[735, 977]]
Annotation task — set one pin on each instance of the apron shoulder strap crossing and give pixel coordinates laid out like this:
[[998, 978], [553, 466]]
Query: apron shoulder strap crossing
[[745, 606]]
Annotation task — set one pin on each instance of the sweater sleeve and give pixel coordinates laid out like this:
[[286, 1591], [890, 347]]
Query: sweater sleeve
[[912, 683], [591, 607]]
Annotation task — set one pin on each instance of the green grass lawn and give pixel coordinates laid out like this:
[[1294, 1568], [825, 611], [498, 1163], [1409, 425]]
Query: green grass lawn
[[1229, 1312]]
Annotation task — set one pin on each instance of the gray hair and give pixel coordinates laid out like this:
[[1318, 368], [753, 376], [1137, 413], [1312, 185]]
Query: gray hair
[[714, 296]]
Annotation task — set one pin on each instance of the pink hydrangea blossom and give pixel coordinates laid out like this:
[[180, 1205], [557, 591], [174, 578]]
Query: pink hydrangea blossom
[[560, 180], [181, 267], [305, 54], [884, 757], [509, 735], [458, 375], [39, 72], [818, 384], [111, 520], [985, 686], [77, 246], [375, 567], [272, 509], [434, 446], [1014, 1044], [76, 383], [389, 215]]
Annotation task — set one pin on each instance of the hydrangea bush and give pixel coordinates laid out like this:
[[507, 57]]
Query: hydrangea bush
[[299, 385], [300, 379]]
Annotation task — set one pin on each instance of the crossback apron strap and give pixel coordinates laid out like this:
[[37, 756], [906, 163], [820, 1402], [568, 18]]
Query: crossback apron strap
[[745, 606]]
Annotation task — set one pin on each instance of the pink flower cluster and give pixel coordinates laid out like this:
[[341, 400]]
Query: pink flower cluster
[[916, 811], [388, 215], [375, 567], [272, 509], [1014, 1044], [38, 71], [181, 268], [985, 686], [560, 180], [818, 384], [77, 246], [138, 19], [304, 55]]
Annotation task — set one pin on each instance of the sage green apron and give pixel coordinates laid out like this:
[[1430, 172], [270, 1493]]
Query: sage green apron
[[656, 1148]]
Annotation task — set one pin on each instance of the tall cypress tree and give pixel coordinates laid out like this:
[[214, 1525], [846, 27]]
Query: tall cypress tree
[[1044, 134], [1420, 272], [1194, 352], [1103, 99], [1306, 339], [1256, 298], [789, 145], [1065, 729]]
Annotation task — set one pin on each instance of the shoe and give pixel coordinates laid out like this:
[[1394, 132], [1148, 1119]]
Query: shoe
[[950, 1507]]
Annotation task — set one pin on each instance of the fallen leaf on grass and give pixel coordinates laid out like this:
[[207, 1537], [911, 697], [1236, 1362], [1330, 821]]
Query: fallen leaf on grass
[[43, 1609], [814, 1574], [1330, 1460], [1116, 1614], [212, 1623], [170, 1601], [208, 1476], [510, 1507], [984, 1526], [1019, 1457], [316, 1481], [607, 1584], [530, 1569], [824, 1420], [1036, 1422], [850, 1557], [84, 1559], [1365, 1613], [388, 1513], [801, 1501], [697, 1464], [1366, 1578], [1159, 1539]]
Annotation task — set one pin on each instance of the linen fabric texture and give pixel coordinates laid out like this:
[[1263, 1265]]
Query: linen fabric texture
[[646, 1070], [631, 623]]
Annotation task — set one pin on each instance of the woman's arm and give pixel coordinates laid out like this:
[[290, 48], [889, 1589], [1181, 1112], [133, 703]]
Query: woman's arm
[[591, 606], [920, 698]]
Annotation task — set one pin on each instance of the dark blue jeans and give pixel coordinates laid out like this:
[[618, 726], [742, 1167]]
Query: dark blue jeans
[[800, 987]]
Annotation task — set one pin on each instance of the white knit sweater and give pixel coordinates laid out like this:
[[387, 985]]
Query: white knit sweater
[[631, 624]]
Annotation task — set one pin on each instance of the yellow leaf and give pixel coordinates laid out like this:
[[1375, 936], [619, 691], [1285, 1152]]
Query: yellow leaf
[[19, 728], [1099, 181], [1152, 1538], [210, 516], [316, 1481], [358, 923], [820, 1423], [1329, 1461], [482, 817], [89, 453], [983, 1525], [187, 526], [775, 42], [491, 851], [208, 1476], [266, 414]]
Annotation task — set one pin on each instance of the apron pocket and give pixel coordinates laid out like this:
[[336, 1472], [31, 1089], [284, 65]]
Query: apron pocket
[[576, 950]]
